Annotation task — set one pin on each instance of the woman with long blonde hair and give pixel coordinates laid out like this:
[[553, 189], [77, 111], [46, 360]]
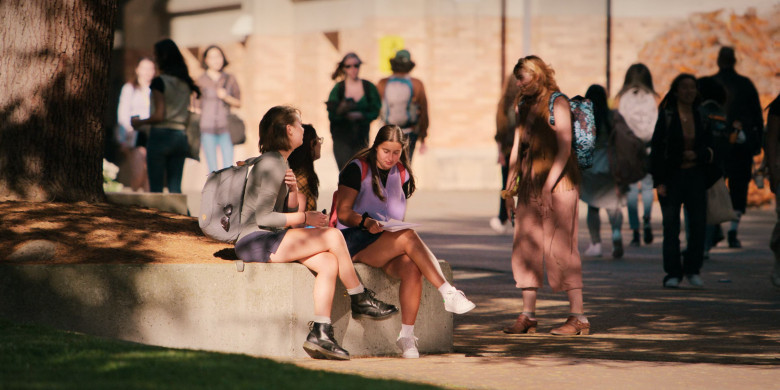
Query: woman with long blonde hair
[[545, 177]]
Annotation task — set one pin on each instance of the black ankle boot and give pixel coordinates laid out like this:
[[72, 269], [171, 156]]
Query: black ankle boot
[[648, 233], [365, 304], [635, 240], [733, 242], [320, 343]]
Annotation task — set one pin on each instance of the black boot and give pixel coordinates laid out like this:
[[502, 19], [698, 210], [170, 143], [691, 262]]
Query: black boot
[[733, 242], [635, 240], [648, 233], [365, 304], [320, 343]]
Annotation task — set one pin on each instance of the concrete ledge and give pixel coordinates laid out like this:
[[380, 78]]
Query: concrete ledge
[[262, 311], [174, 203]]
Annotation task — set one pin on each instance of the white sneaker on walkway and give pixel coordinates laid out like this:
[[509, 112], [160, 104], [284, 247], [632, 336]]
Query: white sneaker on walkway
[[497, 226], [695, 281], [455, 301], [594, 250], [672, 282], [409, 347]]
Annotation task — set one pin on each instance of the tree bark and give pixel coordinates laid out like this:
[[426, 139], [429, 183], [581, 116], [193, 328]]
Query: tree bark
[[53, 89]]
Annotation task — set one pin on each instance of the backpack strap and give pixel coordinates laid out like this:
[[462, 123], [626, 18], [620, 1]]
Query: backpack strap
[[552, 103], [402, 172]]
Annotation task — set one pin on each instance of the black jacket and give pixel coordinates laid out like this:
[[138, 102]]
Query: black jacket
[[666, 155]]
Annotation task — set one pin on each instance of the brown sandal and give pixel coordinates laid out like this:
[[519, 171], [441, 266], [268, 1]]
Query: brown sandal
[[572, 327], [522, 325]]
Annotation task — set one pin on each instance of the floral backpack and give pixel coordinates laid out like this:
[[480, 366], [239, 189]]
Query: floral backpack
[[583, 127]]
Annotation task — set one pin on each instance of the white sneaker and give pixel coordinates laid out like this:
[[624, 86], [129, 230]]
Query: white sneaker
[[672, 283], [409, 347], [455, 301], [497, 226], [695, 281], [594, 250]]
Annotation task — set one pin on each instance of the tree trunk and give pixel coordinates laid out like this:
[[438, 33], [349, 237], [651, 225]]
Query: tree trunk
[[53, 90]]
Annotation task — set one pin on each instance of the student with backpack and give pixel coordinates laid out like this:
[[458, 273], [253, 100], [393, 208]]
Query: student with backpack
[[544, 175], [373, 188], [353, 104], [638, 107], [599, 189], [270, 208], [404, 103]]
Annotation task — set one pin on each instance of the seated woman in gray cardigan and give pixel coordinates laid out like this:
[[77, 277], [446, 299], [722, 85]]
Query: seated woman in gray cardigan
[[271, 209]]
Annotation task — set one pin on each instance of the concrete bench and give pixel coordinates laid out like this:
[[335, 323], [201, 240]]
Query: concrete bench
[[263, 310]]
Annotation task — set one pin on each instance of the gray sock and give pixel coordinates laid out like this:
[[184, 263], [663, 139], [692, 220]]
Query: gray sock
[[580, 317], [530, 314]]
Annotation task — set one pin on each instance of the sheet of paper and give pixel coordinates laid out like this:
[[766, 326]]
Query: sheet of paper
[[395, 225]]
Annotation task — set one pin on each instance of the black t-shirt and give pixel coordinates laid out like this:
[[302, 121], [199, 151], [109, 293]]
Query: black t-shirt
[[351, 177], [157, 84]]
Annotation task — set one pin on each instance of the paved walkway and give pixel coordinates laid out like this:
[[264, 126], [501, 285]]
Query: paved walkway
[[725, 336]]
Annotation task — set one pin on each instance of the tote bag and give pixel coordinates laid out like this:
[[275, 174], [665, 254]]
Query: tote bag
[[719, 208]]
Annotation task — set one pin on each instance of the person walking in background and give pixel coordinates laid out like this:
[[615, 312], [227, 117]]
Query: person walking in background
[[545, 177], [134, 100], [171, 92], [301, 161], [713, 96], [771, 151], [680, 154], [743, 114], [220, 92], [353, 104], [271, 209], [506, 123], [404, 103], [373, 189], [638, 106], [599, 189]]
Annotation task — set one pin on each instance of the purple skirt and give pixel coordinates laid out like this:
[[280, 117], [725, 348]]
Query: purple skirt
[[258, 246]]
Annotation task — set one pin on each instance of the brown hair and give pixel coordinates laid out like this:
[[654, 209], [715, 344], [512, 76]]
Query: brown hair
[[206, 52], [339, 72], [273, 128], [387, 133]]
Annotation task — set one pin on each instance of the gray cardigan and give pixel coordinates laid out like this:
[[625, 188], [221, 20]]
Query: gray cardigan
[[265, 197]]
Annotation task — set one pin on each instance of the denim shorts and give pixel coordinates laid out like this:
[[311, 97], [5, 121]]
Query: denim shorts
[[258, 246], [358, 239]]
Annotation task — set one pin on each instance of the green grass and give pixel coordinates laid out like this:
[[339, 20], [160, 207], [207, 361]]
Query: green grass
[[34, 357]]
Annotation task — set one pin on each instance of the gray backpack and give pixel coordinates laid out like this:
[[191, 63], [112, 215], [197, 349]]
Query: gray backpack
[[222, 199]]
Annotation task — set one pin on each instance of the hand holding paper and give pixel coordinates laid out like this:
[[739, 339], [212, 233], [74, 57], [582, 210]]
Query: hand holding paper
[[395, 225]]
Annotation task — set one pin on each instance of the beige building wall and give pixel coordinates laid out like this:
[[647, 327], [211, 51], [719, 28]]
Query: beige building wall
[[285, 57]]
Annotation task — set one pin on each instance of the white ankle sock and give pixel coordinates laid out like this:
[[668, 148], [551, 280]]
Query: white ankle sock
[[357, 290], [580, 316], [322, 319], [407, 330], [446, 287]]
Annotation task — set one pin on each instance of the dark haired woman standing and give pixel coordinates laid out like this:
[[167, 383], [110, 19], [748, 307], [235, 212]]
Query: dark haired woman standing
[[220, 93], [680, 152], [352, 104], [167, 145]]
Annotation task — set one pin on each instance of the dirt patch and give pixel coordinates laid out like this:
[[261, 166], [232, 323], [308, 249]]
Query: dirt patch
[[106, 233]]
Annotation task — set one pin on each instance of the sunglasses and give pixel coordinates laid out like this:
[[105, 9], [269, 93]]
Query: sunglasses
[[356, 66]]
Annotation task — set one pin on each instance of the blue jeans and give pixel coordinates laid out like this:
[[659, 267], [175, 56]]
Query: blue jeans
[[647, 200], [165, 155], [210, 143]]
